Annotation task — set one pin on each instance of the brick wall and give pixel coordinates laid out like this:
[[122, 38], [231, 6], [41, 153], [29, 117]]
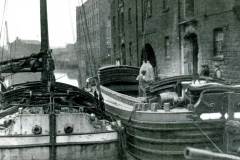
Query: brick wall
[[171, 22], [92, 47]]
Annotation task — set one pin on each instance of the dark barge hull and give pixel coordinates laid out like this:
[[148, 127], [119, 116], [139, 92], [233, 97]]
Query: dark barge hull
[[156, 135], [152, 135]]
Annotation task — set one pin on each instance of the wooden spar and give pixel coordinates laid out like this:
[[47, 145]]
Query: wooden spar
[[45, 50], [44, 38], [194, 153]]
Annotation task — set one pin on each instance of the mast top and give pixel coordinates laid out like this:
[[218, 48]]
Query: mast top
[[44, 26], [47, 61]]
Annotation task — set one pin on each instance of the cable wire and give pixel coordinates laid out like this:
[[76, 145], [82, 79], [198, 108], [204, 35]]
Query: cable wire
[[71, 21], [214, 144], [85, 40], [3, 17], [89, 41]]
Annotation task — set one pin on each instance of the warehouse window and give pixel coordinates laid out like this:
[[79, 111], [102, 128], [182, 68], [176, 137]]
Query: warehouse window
[[148, 8], [114, 48], [166, 47], [165, 4], [130, 53], [122, 22], [218, 41], [120, 3], [189, 8], [129, 15], [114, 22]]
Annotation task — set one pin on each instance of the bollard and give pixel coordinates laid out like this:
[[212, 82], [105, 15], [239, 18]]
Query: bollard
[[166, 107], [137, 107], [154, 107], [145, 106]]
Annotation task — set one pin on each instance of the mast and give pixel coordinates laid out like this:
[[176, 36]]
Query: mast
[[47, 75], [44, 38]]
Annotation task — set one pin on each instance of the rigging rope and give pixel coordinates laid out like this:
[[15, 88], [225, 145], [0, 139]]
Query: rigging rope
[[2, 54], [3, 16], [212, 142], [93, 62], [91, 56], [87, 49], [86, 41], [71, 21]]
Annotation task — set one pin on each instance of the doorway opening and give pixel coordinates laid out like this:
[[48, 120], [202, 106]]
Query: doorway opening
[[123, 52], [149, 55], [191, 54]]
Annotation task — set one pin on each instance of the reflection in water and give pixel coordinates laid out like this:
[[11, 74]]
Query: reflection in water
[[63, 77]]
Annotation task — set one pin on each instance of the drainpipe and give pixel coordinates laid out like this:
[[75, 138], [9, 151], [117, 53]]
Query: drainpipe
[[180, 38], [137, 45]]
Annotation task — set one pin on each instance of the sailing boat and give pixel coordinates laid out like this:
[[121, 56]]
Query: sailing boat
[[173, 114], [47, 120]]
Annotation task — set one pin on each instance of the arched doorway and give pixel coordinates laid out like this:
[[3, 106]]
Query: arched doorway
[[190, 54], [123, 52], [148, 54]]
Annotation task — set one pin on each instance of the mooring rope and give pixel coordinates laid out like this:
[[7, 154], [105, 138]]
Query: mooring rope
[[212, 142], [132, 113], [122, 141], [3, 17]]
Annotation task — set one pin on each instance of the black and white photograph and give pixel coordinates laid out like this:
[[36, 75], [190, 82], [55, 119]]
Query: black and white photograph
[[119, 79]]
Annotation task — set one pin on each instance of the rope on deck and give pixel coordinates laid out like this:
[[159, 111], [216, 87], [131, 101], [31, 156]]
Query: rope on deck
[[122, 140]]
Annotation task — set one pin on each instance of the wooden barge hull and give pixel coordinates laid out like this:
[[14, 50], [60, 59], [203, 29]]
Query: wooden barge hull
[[162, 135], [85, 142], [159, 134], [75, 147], [79, 133]]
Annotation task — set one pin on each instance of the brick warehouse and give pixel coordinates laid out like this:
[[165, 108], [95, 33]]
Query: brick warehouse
[[178, 35], [93, 37]]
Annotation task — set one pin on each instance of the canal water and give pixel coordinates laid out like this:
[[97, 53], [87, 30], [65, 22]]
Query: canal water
[[64, 78]]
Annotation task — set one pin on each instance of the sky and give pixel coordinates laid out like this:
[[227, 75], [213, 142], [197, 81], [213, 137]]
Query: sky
[[23, 18]]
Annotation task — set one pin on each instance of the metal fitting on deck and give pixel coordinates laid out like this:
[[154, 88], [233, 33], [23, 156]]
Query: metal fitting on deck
[[142, 106], [154, 107], [20, 110], [166, 107], [233, 127], [68, 128], [37, 130], [92, 117]]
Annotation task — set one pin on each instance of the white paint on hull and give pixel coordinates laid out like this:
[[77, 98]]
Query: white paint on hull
[[115, 103], [22, 140], [16, 141], [88, 138], [123, 106]]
